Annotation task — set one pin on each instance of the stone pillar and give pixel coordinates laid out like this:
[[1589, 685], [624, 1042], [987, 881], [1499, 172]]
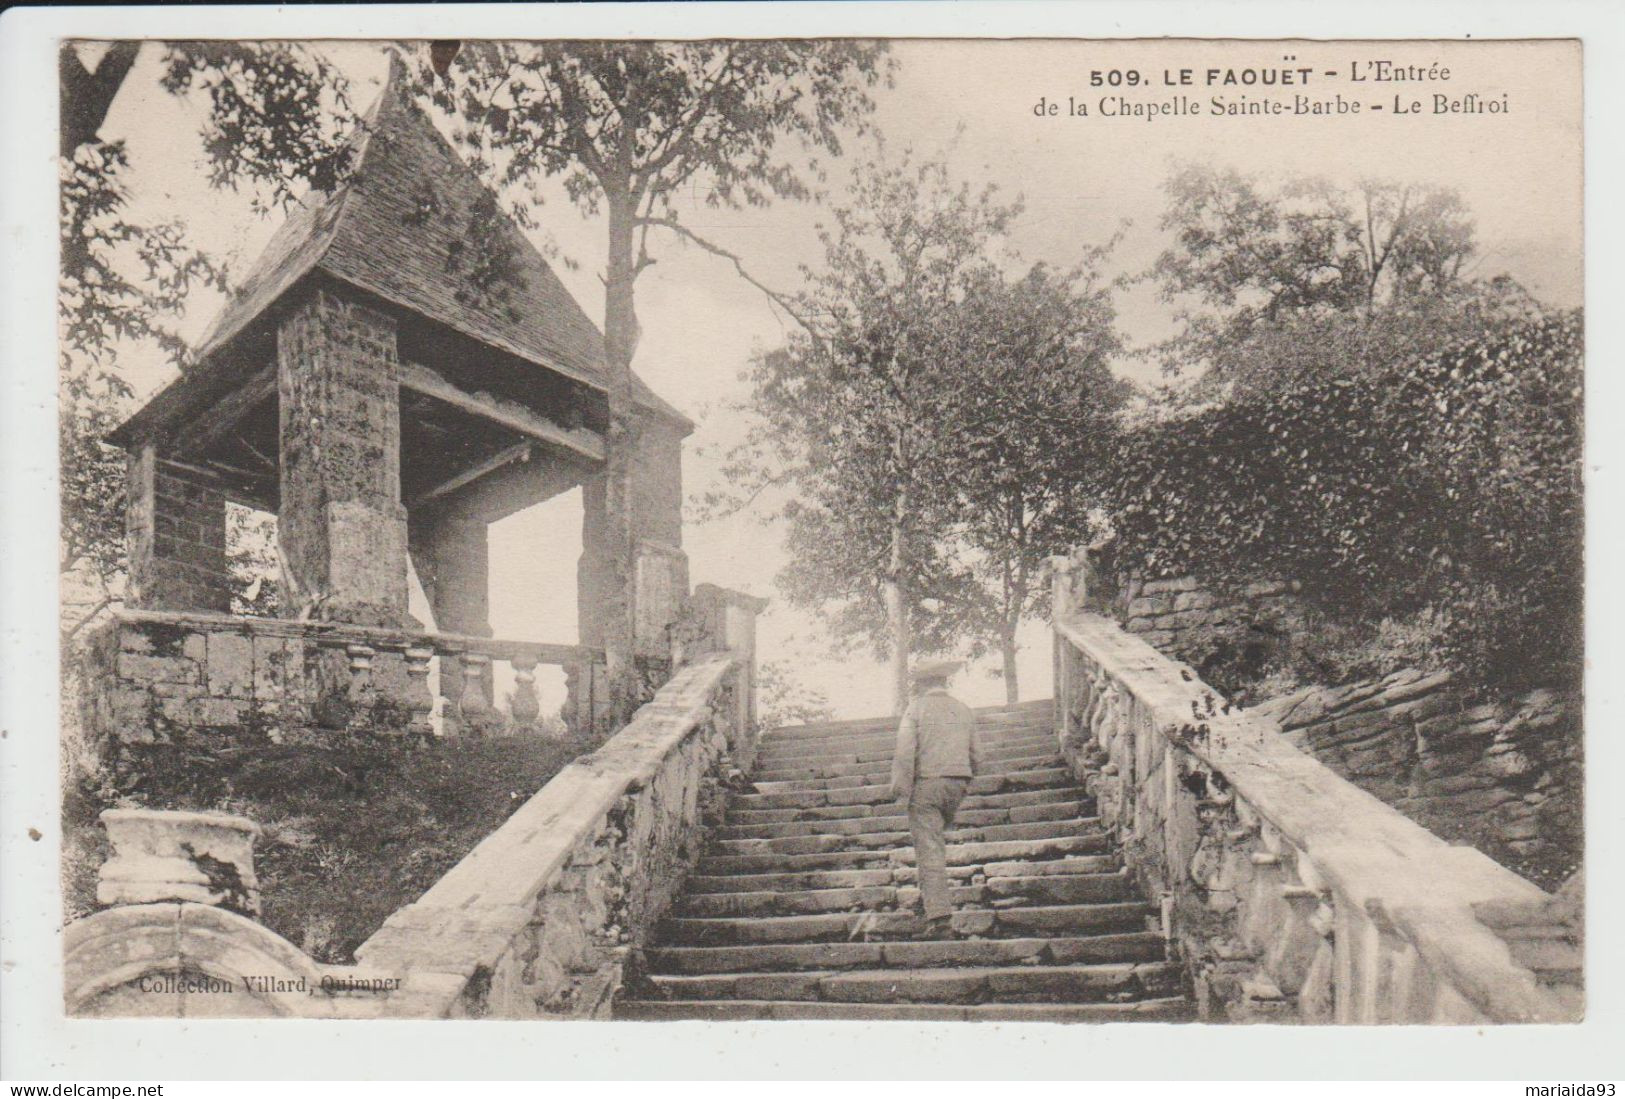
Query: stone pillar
[[660, 570], [593, 569], [341, 525], [452, 554], [727, 623], [588, 707], [175, 522], [658, 580], [660, 575], [453, 558]]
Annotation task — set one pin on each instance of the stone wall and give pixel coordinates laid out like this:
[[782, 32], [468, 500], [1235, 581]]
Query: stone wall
[[208, 681], [1207, 627], [1291, 894], [543, 918], [1502, 775], [175, 521]]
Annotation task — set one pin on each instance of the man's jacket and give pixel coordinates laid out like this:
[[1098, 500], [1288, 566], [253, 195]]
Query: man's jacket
[[936, 739]]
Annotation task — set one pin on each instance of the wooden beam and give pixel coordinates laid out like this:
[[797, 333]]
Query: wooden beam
[[510, 414], [515, 453], [217, 421], [241, 486]]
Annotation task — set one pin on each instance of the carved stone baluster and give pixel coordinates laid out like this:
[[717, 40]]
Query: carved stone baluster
[[476, 711], [362, 696], [526, 707], [420, 698]]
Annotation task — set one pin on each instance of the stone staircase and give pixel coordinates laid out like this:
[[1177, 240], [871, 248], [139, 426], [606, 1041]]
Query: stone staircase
[[801, 906]]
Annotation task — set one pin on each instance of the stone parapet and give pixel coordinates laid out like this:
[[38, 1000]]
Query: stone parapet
[[1292, 894], [206, 679], [542, 919]]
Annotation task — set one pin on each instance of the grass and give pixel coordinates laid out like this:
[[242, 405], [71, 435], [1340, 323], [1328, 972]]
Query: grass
[[352, 830]]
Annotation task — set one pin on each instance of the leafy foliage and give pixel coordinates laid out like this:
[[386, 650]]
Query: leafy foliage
[[252, 562], [1306, 280], [932, 418], [1451, 485], [1039, 413], [277, 118], [858, 410]]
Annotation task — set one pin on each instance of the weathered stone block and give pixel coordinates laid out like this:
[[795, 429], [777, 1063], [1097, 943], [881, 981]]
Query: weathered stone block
[[139, 668], [1177, 584], [230, 665], [204, 711], [1193, 600]]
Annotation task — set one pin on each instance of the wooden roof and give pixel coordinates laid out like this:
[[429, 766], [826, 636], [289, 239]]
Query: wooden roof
[[412, 225]]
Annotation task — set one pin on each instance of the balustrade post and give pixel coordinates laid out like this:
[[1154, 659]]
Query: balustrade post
[[1060, 666], [361, 694], [419, 697], [526, 707], [474, 708]]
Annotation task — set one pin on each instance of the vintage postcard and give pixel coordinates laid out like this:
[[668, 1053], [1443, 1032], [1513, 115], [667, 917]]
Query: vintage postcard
[[753, 530]]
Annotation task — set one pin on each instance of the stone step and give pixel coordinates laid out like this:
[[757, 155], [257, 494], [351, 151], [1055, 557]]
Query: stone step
[[1014, 778], [1132, 946], [894, 875], [1164, 1009], [998, 892], [1086, 983], [988, 833], [871, 749], [1025, 713], [974, 803], [849, 791], [868, 773], [850, 826], [1005, 923], [960, 854]]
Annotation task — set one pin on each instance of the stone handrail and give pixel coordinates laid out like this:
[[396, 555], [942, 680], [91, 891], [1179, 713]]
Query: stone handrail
[[540, 919], [1293, 894]]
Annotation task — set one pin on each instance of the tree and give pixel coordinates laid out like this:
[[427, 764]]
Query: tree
[[628, 126], [277, 119], [1310, 280], [1035, 421], [857, 412]]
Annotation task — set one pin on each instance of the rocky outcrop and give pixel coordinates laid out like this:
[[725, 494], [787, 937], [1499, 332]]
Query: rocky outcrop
[[1503, 775]]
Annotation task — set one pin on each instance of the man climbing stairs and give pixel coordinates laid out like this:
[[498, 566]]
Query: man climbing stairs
[[802, 906]]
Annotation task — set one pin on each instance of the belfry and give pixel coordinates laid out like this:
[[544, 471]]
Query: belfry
[[400, 369]]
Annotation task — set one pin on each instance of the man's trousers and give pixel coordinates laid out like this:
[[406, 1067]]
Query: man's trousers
[[931, 811]]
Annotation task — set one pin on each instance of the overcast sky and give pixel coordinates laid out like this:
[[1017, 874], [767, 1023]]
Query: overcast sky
[[1081, 178]]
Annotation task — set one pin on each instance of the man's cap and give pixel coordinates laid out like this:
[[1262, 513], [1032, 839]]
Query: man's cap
[[935, 669]]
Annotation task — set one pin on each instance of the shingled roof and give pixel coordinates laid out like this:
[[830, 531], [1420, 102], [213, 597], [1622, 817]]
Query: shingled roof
[[408, 225]]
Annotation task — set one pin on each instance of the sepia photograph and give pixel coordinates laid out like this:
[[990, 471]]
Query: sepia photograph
[[986, 531]]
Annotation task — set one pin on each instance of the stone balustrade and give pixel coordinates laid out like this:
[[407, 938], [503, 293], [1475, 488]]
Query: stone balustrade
[[162, 676], [1292, 894]]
